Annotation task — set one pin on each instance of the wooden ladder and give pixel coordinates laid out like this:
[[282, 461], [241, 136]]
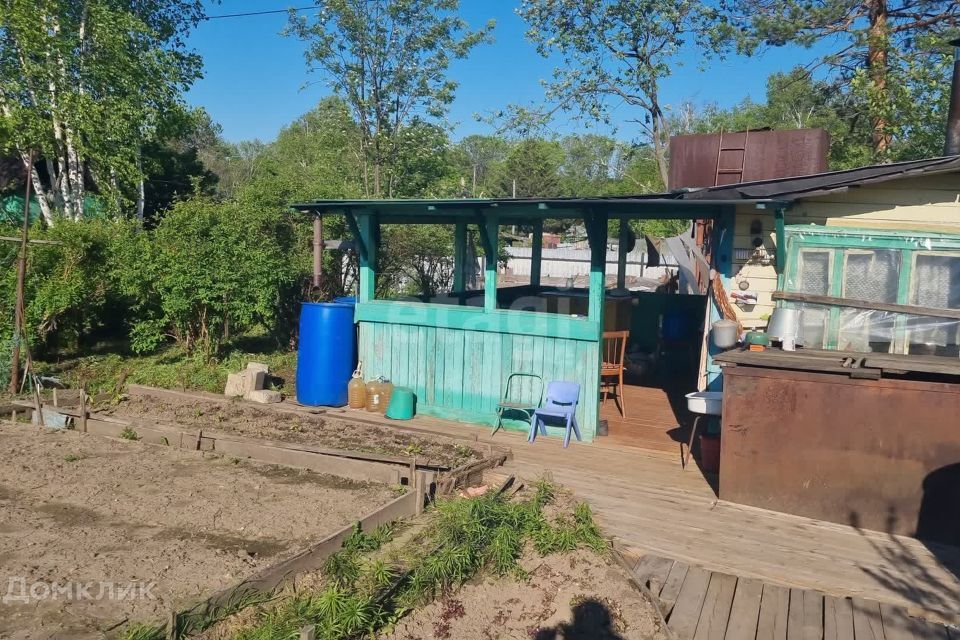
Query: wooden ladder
[[743, 159]]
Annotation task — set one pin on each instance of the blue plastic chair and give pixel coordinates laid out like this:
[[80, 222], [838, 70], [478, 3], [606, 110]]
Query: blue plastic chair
[[561, 402]]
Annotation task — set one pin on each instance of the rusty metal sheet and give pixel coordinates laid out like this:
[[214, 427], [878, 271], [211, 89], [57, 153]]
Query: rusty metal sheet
[[701, 161], [877, 454]]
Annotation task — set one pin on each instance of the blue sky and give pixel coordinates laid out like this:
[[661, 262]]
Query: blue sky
[[254, 78]]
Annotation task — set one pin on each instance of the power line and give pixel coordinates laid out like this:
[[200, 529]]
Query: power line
[[259, 13]]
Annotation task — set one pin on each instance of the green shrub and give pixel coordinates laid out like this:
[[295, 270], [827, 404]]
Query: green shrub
[[209, 269]]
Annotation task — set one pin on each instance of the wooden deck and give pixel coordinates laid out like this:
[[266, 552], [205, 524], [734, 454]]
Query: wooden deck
[[656, 419], [648, 502], [708, 605]]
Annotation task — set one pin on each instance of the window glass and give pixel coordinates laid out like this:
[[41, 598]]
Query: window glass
[[871, 275], [813, 268], [937, 281]]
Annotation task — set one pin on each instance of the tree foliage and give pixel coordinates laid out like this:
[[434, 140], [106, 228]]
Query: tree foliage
[[83, 83], [617, 52], [879, 46], [388, 59]]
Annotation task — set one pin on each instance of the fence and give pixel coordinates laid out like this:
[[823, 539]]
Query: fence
[[568, 263]]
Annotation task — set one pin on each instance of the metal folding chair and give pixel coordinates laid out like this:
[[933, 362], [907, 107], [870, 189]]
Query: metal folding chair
[[514, 399]]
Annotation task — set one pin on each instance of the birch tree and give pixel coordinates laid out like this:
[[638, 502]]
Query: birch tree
[[84, 83]]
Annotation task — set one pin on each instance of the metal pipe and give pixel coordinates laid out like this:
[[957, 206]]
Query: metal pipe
[[952, 144]]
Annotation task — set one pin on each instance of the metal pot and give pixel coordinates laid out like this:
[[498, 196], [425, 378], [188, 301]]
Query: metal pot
[[785, 323]]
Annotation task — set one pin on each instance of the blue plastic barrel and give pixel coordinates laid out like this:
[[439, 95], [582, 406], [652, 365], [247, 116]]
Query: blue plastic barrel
[[327, 353]]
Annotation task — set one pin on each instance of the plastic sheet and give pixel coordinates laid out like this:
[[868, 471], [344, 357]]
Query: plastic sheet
[[919, 270]]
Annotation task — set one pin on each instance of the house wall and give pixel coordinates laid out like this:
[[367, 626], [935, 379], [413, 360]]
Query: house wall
[[929, 203]]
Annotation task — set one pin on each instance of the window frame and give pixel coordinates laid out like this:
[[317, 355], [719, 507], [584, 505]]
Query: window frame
[[839, 241]]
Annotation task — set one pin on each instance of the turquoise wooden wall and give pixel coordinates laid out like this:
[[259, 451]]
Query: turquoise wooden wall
[[459, 374]]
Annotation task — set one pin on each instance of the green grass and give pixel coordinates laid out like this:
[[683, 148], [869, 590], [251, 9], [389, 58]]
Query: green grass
[[129, 433], [170, 368], [363, 593]]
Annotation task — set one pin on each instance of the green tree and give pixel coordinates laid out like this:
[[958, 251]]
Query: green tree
[[592, 164], [207, 270], [388, 59], [85, 82], [475, 158], [530, 170], [873, 43], [615, 52]]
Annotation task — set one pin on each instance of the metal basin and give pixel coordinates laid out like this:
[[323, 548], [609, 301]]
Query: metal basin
[[708, 403]]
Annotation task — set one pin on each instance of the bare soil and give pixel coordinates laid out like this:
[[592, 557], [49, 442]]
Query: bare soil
[[79, 510], [569, 596], [291, 426]]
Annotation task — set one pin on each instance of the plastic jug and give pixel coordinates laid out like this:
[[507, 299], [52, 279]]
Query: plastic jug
[[357, 390], [386, 390], [374, 399]]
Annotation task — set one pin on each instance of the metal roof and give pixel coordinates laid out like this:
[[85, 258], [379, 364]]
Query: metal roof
[[658, 205], [700, 203], [798, 187]]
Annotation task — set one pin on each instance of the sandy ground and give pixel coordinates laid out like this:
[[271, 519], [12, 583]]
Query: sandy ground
[[78, 510], [570, 596], [247, 420]]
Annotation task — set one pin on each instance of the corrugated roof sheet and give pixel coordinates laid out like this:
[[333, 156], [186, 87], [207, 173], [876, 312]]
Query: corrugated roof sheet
[[816, 184], [780, 190]]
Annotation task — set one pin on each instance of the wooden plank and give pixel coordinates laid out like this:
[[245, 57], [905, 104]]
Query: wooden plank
[[745, 611], [812, 615], [774, 609], [686, 612], [671, 588], [897, 625], [953, 314], [837, 619], [795, 615], [867, 622], [652, 572], [716, 607], [309, 559]]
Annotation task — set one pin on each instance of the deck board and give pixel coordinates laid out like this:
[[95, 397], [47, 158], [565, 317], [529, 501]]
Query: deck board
[[745, 610], [686, 612], [647, 501], [719, 606]]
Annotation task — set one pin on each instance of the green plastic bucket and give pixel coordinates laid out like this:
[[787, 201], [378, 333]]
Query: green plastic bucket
[[402, 404]]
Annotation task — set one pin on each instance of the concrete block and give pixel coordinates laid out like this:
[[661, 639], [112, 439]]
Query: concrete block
[[236, 384], [258, 366], [264, 396], [255, 380]]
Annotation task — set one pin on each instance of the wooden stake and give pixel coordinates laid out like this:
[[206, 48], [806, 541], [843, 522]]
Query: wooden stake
[[83, 409], [308, 632], [18, 332]]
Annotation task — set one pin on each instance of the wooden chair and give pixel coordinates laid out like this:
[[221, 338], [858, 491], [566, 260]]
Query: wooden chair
[[611, 368]]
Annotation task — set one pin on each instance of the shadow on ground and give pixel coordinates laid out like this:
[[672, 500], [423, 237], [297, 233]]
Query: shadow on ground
[[591, 620]]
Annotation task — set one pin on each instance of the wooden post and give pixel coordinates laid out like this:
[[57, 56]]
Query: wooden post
[[18, 309], [83, 409], [308, 632], [490, 231], [459, 256], [317, 251], [536, 254], [596, 224], [622, 250], [368, 226]]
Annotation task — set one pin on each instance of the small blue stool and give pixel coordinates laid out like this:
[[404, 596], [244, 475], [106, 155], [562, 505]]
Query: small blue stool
[[561, 402]]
